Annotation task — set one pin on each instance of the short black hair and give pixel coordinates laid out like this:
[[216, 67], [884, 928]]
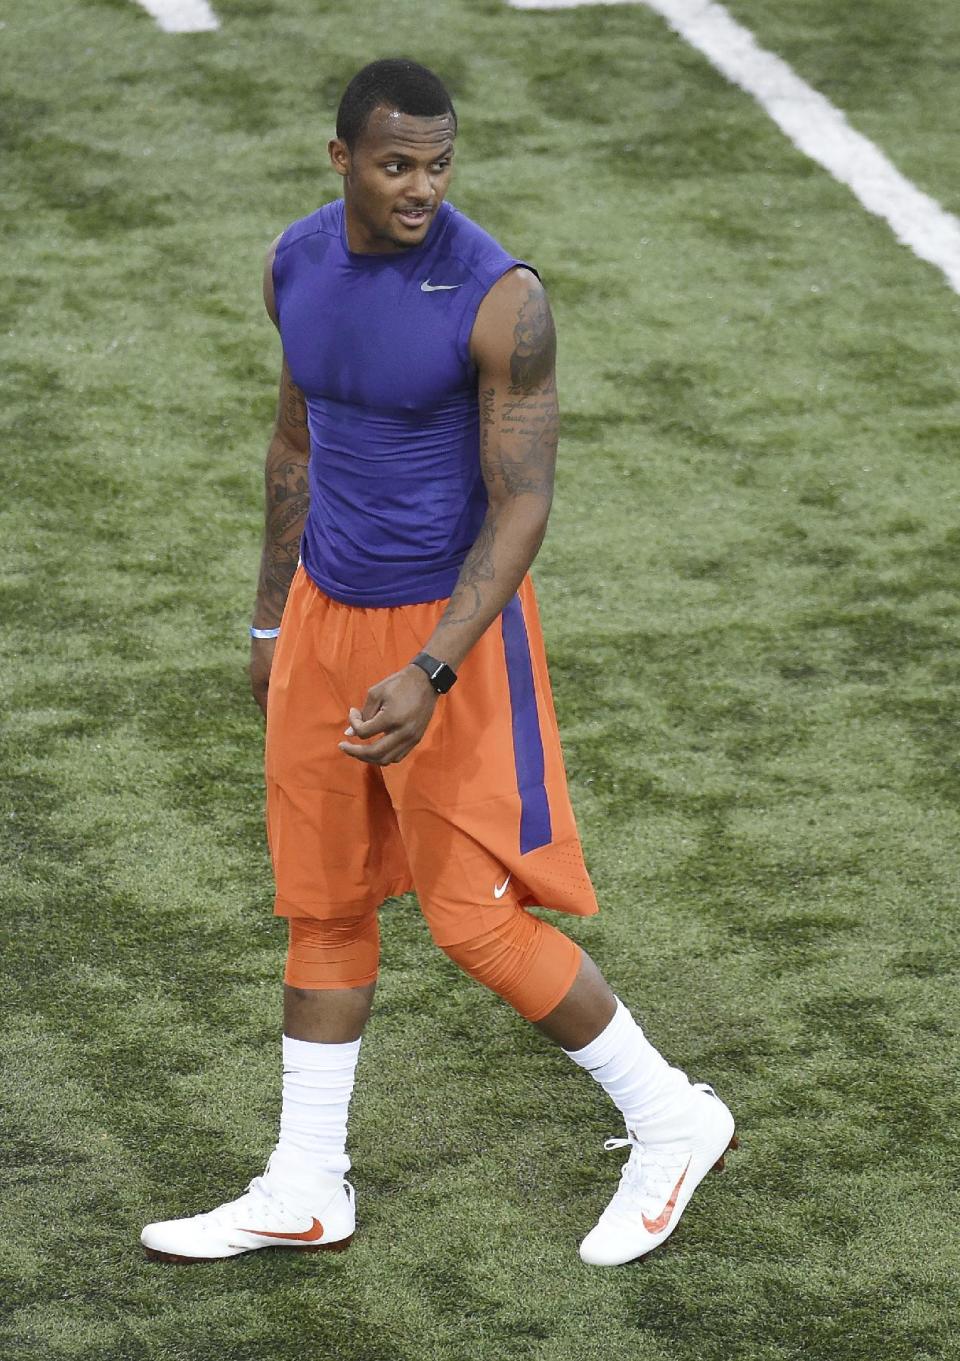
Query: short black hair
[[395, 83]]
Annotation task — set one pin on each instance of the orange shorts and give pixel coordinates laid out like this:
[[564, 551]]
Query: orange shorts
[[476, 819]]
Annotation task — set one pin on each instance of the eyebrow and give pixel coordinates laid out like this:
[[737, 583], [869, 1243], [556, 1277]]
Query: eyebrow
[[395, 155]]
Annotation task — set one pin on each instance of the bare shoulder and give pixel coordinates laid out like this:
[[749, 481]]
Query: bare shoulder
[[513, 292], [515, 287], [268, 298], [514, 330]]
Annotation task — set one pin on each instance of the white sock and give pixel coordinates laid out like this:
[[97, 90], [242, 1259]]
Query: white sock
[[317, 1086], [635, 1076]]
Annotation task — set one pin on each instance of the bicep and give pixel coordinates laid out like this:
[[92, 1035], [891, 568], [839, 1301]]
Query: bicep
[[291, 422], [514, 347]]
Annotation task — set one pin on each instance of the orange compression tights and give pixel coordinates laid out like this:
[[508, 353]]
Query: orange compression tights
[[526, 961], [343, 952]]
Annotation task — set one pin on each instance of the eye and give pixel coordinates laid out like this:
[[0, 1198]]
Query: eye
[[441, 166], [395, 167]]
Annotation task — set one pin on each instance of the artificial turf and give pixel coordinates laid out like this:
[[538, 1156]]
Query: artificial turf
[[749, 592]]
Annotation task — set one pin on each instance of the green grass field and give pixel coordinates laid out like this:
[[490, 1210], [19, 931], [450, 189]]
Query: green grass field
[[750, 596]]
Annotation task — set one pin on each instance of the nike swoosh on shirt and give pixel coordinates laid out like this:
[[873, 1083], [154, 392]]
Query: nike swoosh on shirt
[[310, 1235], [663, 1218], [500, 889], [428, 287]]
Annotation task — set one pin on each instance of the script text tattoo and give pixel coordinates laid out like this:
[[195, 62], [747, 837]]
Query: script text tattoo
[[526, 432]]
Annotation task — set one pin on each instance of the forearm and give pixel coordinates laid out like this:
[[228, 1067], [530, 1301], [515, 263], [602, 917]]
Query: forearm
[[502, 553], [287, 499]]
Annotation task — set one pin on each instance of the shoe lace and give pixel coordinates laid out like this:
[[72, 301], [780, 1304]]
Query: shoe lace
[[649, 1173], [263, 1205], [257, 1201]]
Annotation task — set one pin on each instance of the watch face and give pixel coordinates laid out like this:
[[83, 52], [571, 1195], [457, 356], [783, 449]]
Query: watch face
[[443, 678], [440, 675]]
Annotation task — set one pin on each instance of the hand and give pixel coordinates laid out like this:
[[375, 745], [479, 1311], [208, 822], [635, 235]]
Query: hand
[[261, 662], [400, 708]]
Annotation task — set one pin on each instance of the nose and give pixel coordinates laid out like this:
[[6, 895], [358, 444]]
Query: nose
[[421, 186]]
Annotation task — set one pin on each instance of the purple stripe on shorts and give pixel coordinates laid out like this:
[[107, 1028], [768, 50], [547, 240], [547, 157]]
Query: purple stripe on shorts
[[535, 828]]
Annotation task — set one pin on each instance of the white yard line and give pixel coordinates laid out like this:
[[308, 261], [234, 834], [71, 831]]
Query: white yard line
[[811, 122], [181, 16]]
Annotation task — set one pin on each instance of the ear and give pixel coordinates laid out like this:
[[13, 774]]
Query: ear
[[339, 154]]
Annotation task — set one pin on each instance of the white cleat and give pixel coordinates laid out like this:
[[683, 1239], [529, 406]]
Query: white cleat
[[260, 1218], [664, 1169]]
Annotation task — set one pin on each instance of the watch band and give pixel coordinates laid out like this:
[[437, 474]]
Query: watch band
[[440, 675]]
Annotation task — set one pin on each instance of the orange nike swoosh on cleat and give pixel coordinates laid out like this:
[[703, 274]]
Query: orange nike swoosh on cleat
[[663, 1218], [310, 1235]]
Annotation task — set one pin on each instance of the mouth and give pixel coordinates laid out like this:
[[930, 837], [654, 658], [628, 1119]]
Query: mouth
[[413, 217]]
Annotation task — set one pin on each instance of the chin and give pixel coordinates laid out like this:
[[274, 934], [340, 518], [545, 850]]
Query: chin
[[409, 239]]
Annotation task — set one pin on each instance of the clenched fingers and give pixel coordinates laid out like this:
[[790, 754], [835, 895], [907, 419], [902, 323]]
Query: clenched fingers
[[390, 749]]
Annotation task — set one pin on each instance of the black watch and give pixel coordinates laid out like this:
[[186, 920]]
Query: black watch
[[440, 676]]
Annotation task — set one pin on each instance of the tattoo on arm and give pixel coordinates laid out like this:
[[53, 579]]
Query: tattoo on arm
[[518, 445], [287, 497], [519, 426], [292, 409], [535, 345], [526, 449], [478, 567]]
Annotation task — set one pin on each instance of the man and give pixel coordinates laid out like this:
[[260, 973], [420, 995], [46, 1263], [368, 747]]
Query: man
[[411, 736]]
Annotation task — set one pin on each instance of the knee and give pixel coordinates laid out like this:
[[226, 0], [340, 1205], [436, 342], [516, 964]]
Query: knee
[[336, 953], [524, 960]]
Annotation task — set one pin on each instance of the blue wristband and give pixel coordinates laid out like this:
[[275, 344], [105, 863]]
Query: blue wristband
[[264, 633]]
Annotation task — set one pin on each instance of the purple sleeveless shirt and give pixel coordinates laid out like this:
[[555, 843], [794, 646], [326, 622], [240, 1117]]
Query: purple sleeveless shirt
[[379, 346]]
